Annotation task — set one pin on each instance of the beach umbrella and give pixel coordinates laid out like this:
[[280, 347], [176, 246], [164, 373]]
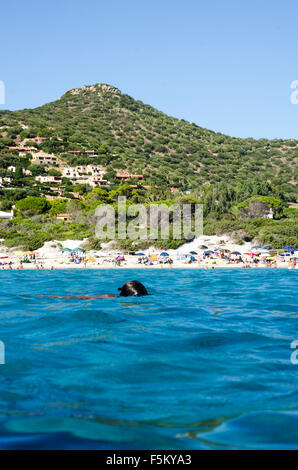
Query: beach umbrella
[[203, 247], [193, 253], [192, 258], [288, 248], [208, 252], [140, 253], [164, 253], [256, 247], [120, 258], [235, 253], [78, 249], [3, 256], [65, 249], [267, 247]]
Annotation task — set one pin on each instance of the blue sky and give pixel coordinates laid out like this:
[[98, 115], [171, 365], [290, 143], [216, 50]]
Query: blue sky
[[225, 65]]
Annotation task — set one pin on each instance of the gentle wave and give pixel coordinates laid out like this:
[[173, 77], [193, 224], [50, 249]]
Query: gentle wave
[[203, 362]]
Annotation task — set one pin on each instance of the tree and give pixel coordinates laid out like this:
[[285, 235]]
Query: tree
[[54, 172], [37, 170], [19, 173], [58, 206], [32, 206]]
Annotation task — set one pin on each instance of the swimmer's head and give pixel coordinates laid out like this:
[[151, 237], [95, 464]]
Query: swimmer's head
[[132, 288]]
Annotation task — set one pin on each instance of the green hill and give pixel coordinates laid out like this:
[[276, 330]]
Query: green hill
[[129, 134], [237, 180]]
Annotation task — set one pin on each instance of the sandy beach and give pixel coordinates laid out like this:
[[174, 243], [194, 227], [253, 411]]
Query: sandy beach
[[58, 255]]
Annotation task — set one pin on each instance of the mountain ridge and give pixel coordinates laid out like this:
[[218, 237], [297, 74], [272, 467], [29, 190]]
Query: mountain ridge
[[129, 134]]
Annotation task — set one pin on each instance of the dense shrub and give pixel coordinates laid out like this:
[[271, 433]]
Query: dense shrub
[[33, 205]]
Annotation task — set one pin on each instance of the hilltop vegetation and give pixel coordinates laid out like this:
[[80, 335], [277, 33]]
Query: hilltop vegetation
[[129, 134], [225, 174]]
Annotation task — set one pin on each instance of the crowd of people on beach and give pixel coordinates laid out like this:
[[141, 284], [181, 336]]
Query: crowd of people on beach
[[203, 258]]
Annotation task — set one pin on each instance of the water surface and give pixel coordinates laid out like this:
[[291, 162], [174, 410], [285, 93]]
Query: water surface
[[202, 363]]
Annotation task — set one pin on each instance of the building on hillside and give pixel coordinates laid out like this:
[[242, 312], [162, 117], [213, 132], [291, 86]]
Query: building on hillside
[[49, 179], [84, 153], [52, 198], [96, 181], [5, 179], [71, 172], [12, 168], [95, 170], [39, 140], [62, 216], [126, 176], [81, 170], [150, 187], [6, 215], [83, 179], [45, 159], [57, 190], [22, 151]]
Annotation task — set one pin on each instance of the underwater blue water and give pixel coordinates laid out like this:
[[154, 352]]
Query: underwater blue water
[[202, 363]]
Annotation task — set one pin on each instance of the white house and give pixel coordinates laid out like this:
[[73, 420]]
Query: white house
[[48, 179], [6, 179], [96, 181], [70, 172], [6, 215]]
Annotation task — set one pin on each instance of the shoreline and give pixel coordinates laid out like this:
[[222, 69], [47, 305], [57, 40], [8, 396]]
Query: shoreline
[[60, 267], [55, 255]]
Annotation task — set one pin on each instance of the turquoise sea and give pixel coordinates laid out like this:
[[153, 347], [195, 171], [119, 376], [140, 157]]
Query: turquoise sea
[[204, 362]]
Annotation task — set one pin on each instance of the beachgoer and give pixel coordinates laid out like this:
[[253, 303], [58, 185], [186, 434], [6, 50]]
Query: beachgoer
[[132, 288], [129, 289]]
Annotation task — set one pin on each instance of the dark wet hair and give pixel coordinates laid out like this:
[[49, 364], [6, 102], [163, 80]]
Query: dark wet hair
[[134, 288]]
